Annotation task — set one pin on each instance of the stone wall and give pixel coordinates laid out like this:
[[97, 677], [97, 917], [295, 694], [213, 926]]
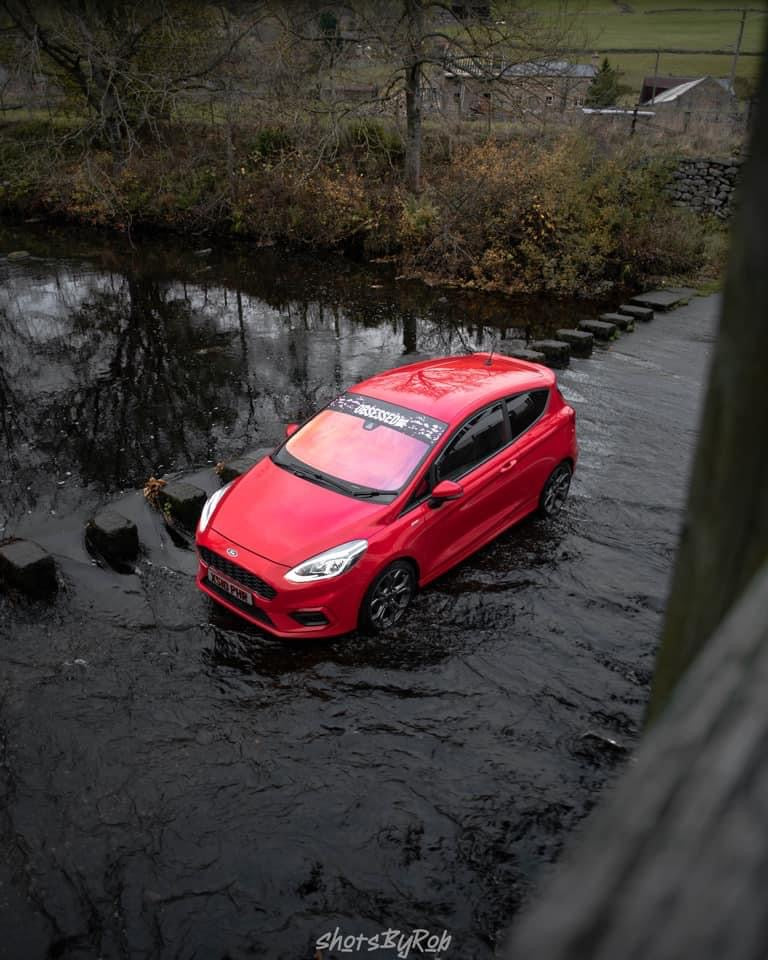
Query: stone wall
[[707, 186]]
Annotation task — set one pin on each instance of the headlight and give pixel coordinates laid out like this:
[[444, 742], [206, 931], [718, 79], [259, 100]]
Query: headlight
[[328, 564], [210, 505]]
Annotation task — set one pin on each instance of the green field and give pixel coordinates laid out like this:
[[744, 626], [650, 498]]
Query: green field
[[650, 25]]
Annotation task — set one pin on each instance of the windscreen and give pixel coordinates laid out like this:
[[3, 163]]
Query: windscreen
[[366, 442]]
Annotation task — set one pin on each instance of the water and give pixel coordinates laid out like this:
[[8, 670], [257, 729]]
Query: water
[[173, 783]]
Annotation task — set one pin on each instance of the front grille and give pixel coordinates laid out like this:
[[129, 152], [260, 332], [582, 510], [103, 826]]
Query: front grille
[[256, 612], [238, 573]]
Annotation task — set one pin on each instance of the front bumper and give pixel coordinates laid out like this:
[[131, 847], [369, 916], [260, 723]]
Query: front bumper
[[322, 609]]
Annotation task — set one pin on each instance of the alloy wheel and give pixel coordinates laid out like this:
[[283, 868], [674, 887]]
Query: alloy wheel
[[556, 491], [390, 596]]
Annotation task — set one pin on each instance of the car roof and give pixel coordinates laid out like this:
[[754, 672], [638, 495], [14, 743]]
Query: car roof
[[449, 388]]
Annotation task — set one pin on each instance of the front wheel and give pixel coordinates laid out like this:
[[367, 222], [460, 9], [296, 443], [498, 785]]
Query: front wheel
[[555, 491], [388, 597]]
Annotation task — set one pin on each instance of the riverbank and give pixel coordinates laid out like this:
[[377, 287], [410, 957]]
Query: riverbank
[[560, 216]]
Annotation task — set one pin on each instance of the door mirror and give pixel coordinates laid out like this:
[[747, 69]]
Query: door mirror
[[290, 429], [446, 490]]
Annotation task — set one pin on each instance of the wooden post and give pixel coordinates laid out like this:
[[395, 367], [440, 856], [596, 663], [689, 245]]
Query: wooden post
[[725, 535]]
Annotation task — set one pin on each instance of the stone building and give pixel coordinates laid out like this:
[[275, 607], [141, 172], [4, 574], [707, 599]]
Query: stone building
[[694, 104], [474, 86]]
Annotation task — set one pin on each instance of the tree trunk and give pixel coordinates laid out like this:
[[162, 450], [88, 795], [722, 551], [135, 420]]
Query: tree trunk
[[725, 536], [413, 95]]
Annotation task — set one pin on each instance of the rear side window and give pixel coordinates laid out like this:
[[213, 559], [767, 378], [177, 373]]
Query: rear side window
[[525, 409], [477, 440]]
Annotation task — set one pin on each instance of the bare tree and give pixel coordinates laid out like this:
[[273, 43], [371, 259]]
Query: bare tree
[[124, 61], [410, 45]]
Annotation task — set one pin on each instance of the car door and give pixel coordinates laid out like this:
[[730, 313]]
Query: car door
[[532, 452], [474, 457], [530, 455]]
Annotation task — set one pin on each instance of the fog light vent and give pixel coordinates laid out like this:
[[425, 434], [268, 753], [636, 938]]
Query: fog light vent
[[310, 618]]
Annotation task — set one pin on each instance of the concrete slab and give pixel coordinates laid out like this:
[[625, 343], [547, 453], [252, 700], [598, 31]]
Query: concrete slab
[[600, 329], [183, 501], [556, 352], [635, 310], [580, 341], [113, 535], [664, 299], [25, 565], [622, 320]]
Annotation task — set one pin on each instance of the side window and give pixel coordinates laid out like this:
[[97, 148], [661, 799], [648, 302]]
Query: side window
[[525, 409], [477, 440]]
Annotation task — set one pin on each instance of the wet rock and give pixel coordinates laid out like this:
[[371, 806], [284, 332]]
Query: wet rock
[[557, 352], [581, 342], [234, 468], [113, 536], [600, 329], [203, 252], [638, 312], [183, 502], [18, 255], [622, 320], [663, 299], [26, 565]]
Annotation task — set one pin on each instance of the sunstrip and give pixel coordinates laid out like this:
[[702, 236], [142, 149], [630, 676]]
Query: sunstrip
[[413, 424]]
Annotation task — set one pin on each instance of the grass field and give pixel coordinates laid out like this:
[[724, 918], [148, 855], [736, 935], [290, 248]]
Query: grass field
[[651, 25]]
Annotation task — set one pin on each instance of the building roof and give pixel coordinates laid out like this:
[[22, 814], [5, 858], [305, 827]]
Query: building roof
[[448, 387], [675, 92], [671, 94], [486, 67]]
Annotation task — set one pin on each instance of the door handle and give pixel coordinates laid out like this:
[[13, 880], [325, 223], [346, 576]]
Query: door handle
[[508, 466]]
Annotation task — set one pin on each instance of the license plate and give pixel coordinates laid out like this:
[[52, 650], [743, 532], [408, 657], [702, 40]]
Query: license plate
[[229, 587]]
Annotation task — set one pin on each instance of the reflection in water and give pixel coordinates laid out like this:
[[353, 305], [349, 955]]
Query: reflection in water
[[117, 364]]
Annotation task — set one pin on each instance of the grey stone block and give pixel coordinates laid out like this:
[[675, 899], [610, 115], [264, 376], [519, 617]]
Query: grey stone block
[[240, 465], [26, 565], [532, 356], [600, 329], [580, 341], [113, 536], [622, 320], [183, 501], [557, 352], [663, 299], [635, 310]]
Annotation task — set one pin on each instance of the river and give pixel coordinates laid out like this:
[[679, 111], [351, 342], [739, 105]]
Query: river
[[174, 784]]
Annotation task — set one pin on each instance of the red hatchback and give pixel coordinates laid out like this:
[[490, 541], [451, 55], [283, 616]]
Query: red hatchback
[[387, 487]]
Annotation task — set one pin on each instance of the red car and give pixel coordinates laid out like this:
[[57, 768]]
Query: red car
[[386, 488]]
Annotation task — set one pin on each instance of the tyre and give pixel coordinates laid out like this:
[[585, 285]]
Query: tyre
[[555, 491], [388, 597]]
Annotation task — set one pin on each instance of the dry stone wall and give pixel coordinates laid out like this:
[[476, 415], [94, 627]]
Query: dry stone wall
[[707, 186]]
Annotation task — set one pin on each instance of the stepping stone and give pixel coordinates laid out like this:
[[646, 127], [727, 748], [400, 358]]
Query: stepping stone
[[557, 352], [183, 501], [234, 468], [113, 535], [531, 356], [664, 299], [622, 320], [600, 329], [639, 313], [27, 566], [580, 341]]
